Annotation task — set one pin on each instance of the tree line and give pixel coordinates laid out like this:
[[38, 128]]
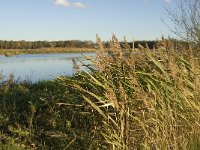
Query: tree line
[[4, 44], [45, 44]]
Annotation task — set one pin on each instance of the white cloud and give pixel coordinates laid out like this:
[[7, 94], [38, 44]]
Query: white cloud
[[62, 2], [67, 3]]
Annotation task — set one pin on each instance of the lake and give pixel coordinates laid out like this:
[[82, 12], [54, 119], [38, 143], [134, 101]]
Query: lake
[[36, 67]]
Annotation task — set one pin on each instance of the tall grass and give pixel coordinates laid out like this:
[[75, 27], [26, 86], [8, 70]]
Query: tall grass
[[144, 99], [36, 116]]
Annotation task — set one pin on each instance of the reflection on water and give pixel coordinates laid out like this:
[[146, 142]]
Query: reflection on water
[[37, 67]]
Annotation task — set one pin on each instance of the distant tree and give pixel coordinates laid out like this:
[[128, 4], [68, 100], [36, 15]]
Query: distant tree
[[46, 44], [186, 20], [1, 44]]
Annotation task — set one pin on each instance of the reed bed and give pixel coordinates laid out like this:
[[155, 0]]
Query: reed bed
[[144, 99]]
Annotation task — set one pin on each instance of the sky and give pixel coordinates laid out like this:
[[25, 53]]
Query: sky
[[82, 19]]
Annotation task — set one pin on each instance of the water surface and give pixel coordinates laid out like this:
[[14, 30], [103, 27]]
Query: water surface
[[35, 67]]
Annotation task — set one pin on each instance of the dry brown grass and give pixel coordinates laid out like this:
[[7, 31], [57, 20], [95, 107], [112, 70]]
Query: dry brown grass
[[147, 99]]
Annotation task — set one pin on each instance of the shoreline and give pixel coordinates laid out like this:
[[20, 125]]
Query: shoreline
[[13, 52]]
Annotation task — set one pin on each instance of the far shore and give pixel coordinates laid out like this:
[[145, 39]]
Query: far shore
[[12, 52]]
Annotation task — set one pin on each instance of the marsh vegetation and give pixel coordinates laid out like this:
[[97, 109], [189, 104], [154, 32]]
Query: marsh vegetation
[[131, 99]]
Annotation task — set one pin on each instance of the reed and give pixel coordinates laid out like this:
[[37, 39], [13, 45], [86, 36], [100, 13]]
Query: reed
[[144, 99]]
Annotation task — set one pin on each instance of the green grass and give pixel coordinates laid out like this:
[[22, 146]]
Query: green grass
[[37, 115]]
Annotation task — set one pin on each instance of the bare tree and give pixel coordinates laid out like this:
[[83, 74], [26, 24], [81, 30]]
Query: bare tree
[[186, 20]]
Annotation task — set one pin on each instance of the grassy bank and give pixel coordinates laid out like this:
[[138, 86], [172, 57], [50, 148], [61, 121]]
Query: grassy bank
[[133, 99], [11, 52], [43, 115]]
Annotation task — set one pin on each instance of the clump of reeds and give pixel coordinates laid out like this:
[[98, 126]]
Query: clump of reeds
[[144, 99]]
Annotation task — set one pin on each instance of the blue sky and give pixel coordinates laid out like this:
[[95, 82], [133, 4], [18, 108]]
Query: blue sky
[[82, 19]]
